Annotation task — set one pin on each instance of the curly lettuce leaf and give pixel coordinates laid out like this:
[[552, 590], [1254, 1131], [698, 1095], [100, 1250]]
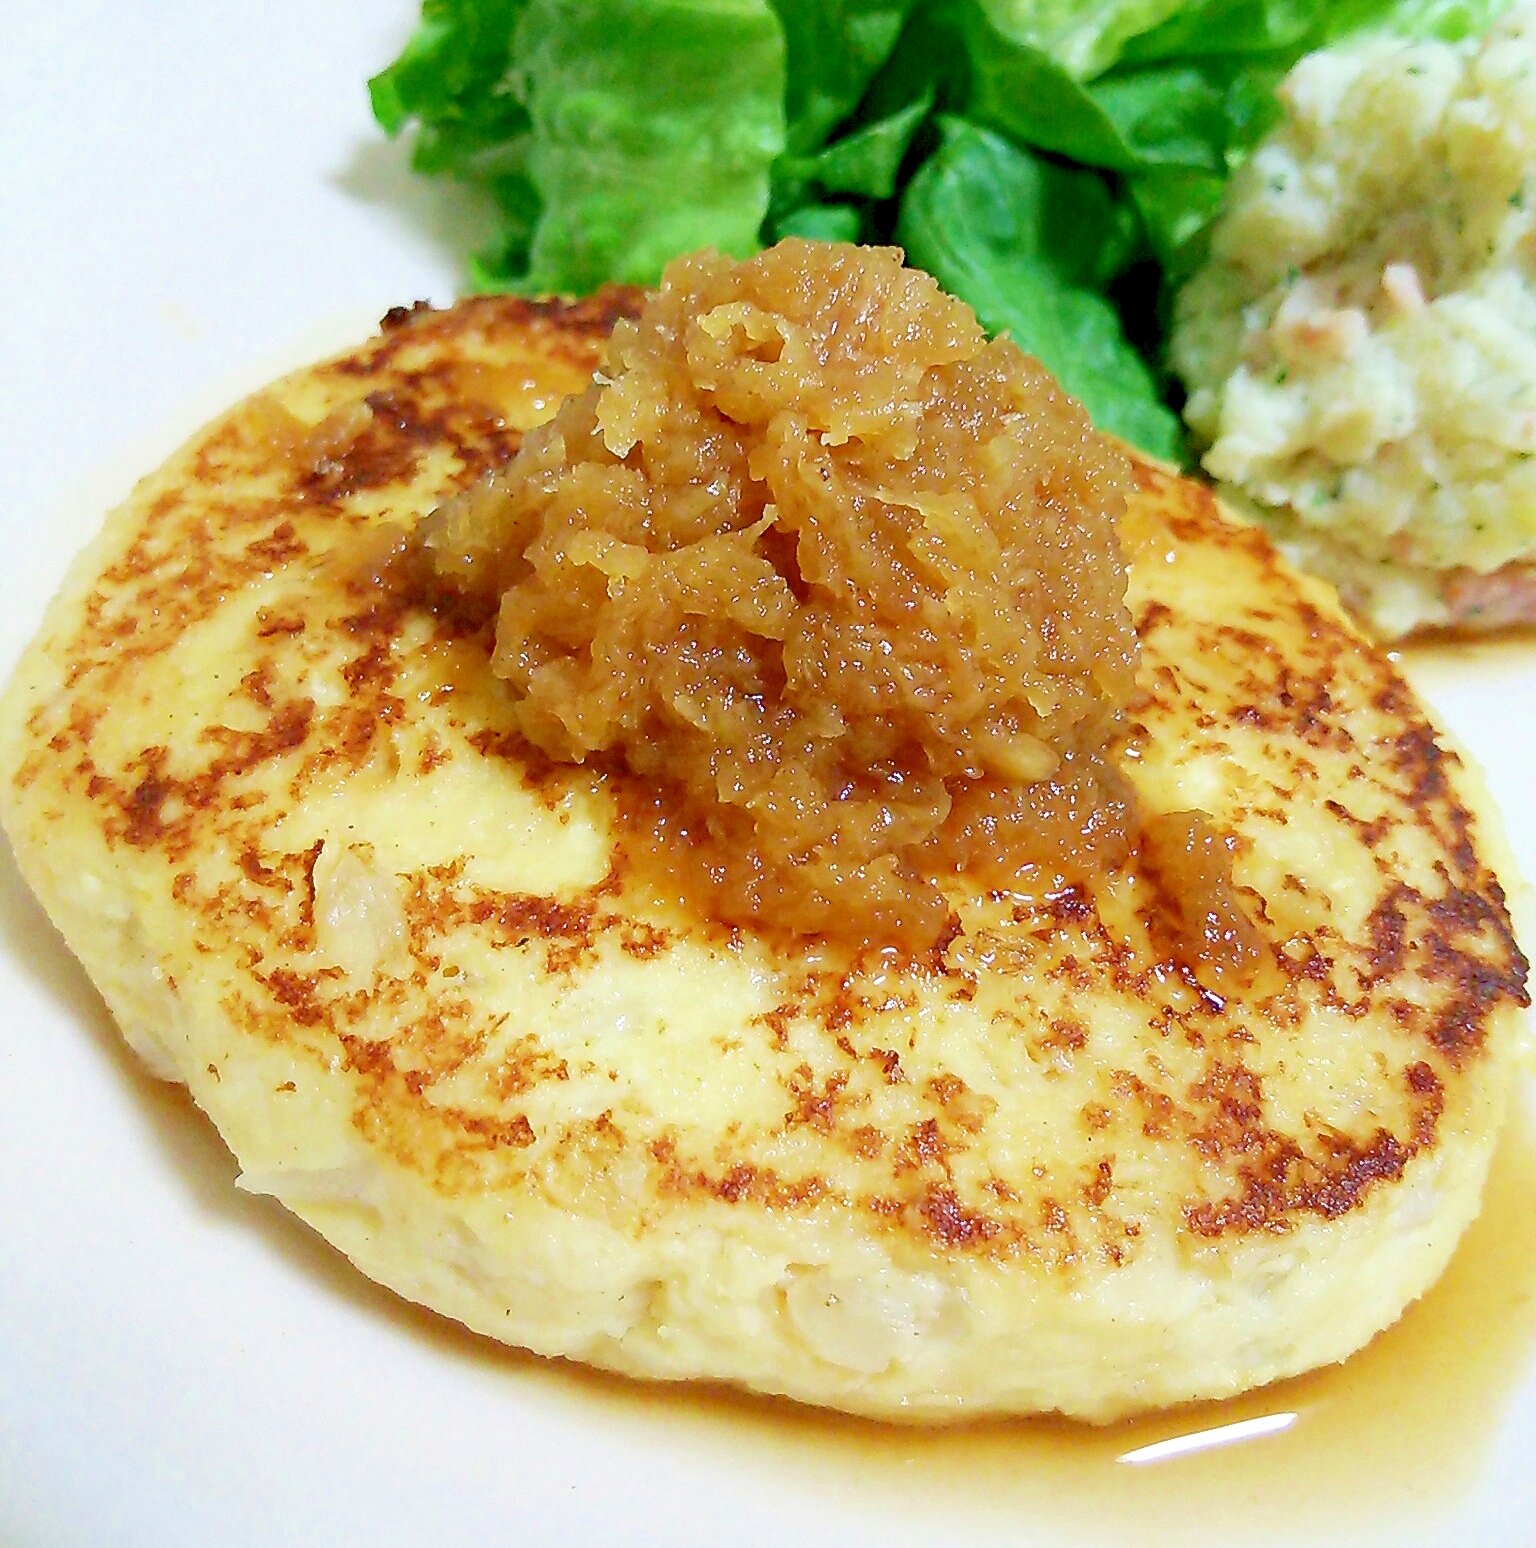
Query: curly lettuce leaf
[[864, 161], [833, 48], [613, 135], [821, 222], [1176, 205], [1031, 246], [655, 123], [930, 59], [1289, 28], [1083, 39], [1164, 115], [1448, 20], [451, 78], [1230, 28], [452, 81]]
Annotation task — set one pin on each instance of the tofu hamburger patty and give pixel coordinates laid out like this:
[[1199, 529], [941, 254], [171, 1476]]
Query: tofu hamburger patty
[[435, 1006]]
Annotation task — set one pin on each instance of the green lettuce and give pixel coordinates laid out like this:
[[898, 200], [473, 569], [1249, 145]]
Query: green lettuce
[[1085, 40], [1237, 29], [1167, 115], [451, 82], [1033, 246], [865, 163], [832, 50], [1055, 163], [654, 126], [613, 135]]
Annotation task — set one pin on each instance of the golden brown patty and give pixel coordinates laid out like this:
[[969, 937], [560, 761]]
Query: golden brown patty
[[435, 1005]]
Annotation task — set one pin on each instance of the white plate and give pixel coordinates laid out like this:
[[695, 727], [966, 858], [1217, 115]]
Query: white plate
[[192, 196]]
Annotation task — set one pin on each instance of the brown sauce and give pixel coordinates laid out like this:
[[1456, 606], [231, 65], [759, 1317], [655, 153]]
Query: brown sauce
[[1393, 1440]]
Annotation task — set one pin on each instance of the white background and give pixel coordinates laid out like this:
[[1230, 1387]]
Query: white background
[[192, 197]]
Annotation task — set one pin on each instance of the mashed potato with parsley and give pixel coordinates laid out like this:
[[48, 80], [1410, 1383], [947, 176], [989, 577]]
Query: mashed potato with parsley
[[1360, 349]]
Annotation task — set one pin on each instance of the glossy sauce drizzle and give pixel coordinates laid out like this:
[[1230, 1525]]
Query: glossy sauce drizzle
[[1377, 1449]]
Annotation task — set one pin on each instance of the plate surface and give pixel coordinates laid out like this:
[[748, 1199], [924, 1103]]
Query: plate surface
[[193, 198]]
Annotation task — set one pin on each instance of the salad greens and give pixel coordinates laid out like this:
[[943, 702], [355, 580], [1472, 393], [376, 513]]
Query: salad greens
[[648, 149], [1055, 163], [1033, 245]]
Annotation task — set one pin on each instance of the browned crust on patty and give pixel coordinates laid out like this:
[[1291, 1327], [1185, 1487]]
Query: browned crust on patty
[[873, 1120]]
